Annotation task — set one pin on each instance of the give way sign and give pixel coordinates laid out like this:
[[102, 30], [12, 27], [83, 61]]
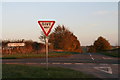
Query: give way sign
[[46, 26]]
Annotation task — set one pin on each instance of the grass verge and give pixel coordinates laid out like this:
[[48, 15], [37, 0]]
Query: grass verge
[[25, 71], [111, 54], [32, 55]]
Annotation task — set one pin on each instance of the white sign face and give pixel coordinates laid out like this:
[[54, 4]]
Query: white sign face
[[46, 26], [15, 44]]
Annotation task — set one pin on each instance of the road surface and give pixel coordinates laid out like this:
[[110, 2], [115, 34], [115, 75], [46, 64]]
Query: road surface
[[91, 63]]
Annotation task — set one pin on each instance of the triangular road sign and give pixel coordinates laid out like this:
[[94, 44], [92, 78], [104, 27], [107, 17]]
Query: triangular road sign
[[46, 26], [104, 69]]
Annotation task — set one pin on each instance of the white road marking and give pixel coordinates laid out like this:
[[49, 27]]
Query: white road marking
[[106, 58], [12, 60], [12, 63], [31, 63], [55, 63], [115, 64], [103, 64], [78, 63], [91, 57], [42, 63], [67, 63], [109, 69], [59, 63]]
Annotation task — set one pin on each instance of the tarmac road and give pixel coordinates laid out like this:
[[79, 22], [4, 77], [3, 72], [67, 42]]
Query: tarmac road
[[77, 58], [91, 63]]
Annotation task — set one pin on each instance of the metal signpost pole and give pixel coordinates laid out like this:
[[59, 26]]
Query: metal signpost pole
[[46, 27], [47, 53]]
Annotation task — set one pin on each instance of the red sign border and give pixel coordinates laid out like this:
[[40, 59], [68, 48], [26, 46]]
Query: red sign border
[[43, 28]]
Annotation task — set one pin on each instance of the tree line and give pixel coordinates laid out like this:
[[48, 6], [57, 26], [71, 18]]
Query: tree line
[[30, 47], [60, 39], [63, 39]]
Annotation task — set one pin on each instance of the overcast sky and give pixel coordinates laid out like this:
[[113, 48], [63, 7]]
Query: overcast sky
[[87, 20]]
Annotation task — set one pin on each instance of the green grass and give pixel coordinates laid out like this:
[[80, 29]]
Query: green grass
[[32, 55], [67, 52], [40, 55], [25, 71], [111, 54]]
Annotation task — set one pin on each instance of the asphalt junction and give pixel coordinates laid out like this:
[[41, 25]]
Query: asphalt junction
[[90, 63]]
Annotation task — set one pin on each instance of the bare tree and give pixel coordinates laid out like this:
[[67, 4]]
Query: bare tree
[[42, 37]]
